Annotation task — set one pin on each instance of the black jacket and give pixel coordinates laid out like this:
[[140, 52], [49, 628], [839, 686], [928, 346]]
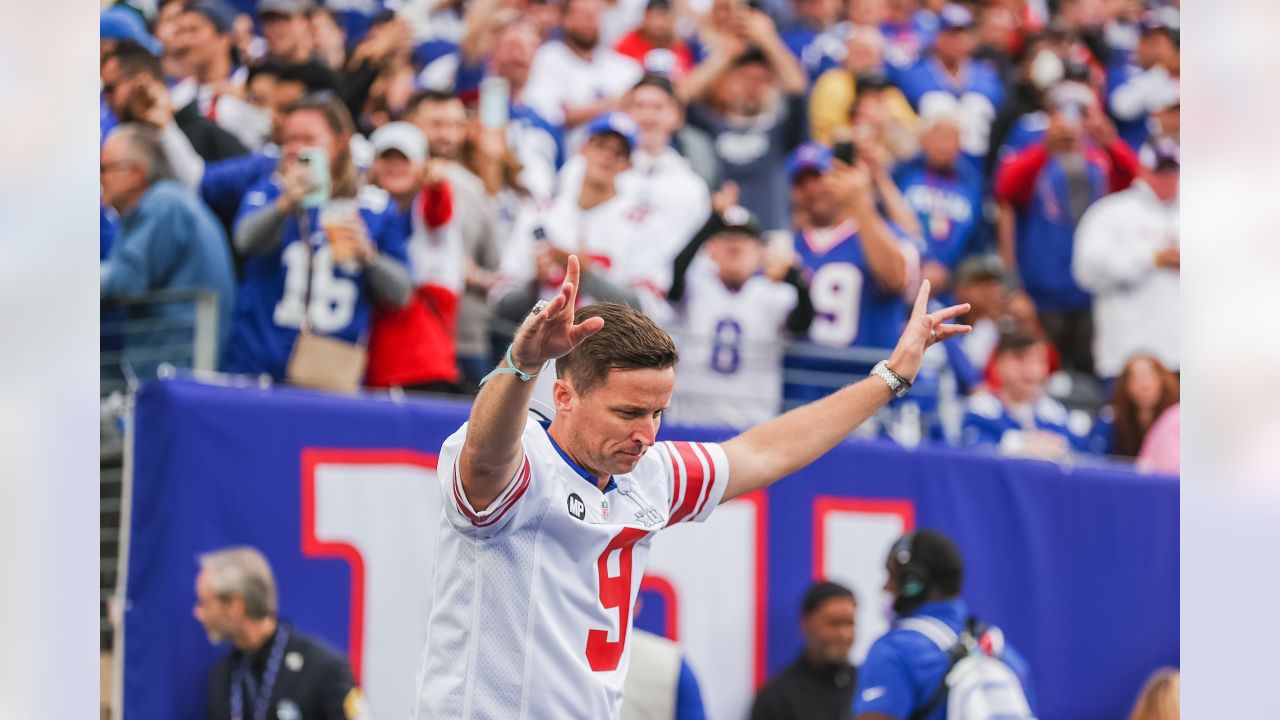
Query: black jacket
[[804, 692], [208, 139], [313, 678]]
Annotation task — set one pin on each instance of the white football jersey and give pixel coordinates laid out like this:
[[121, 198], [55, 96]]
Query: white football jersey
[[617, 239], [533, 596], [730, 371]]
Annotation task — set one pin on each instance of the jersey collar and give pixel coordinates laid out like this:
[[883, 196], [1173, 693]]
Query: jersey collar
[[546, 425]]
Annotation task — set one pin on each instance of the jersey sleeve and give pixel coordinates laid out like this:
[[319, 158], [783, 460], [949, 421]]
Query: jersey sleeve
[[884, 683], [698, 474], [512, 507]]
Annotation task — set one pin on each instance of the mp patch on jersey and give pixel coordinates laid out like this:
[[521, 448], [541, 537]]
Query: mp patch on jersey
[[577, 508]]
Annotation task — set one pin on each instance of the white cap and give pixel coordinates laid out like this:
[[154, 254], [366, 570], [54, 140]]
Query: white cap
[[402, 136]]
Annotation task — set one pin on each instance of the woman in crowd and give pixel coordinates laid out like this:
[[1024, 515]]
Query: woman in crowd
[[1144, 390]]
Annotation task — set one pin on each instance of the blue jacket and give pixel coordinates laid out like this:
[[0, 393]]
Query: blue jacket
[[949, 207], [987, 421], [169, 241], [904, 668]]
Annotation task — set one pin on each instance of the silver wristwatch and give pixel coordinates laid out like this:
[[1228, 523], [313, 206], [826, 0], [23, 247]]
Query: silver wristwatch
[[898, 385]]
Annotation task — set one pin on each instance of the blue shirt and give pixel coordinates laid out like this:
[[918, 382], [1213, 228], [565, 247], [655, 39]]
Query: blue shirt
[[271, 303], [949, 207], [978, 89], [904, 668], [169, 241], [851, 308], [1046, 233], [987, 421], [225, 182]]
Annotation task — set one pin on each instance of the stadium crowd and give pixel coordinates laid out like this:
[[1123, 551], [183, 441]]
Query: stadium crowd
[[378, 192]]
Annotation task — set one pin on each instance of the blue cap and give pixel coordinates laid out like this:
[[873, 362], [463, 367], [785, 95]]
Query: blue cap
[[617, 123], [810, 156], [955, 17], [121, 23], [222, 15]]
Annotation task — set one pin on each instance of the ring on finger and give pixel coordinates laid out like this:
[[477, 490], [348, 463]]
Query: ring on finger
[[539, 307]]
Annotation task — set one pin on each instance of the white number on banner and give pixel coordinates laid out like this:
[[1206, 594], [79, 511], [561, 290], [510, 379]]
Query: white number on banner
[[854, 537], [333, 298], [715, 592], [376, 510], [836, 291]]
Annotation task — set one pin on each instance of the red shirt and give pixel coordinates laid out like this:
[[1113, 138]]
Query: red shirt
[[636, 47]]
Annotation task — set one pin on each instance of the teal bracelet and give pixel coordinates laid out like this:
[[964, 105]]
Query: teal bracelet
[[511, 369]]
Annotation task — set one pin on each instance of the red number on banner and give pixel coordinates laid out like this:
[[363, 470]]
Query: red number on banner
[[615, 592]]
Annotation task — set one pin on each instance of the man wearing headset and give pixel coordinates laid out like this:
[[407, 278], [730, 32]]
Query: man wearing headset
[[903, 675]]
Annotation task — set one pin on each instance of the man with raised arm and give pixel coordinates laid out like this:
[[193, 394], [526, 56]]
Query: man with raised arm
[[549, 522]]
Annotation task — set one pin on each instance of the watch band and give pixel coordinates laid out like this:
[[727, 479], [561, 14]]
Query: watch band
[[898, 385]]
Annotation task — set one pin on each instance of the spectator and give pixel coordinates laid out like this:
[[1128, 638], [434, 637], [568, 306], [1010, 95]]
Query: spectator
[[273, 664], [749, 96], [1051, 183], [904, 675], [378, 79], [660, 684], [286, 26], [857, 266], [133, 88], [1127, 254], [1018, 418], [877, 118], [908, 30], [819, 684], [997, 38], [945, 193], [832, 101], [576, 78], [300, 274], [612, 232], [203, 45], [951, 70], [330, 38], [166, 240], [1021, 120], [809, 37], [166, 24], [1143, 391], [657, 32], [442, 121], [1161, 697], [1140, 90], [121, 24], [728, 318], [413, 346]]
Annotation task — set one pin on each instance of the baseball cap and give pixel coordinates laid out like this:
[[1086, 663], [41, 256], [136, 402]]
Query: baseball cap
[[810, 156], [980, 267], [954, 16], [738, 219], [222, 15], [614, 122], [121, 23], [284, 7], [402, 136], [1160, 154], [872, 80], [658, 5]]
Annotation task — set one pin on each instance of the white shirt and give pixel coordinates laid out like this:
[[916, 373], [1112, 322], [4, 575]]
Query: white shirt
[[1135, 303], [560, 79], [615, 238], [532, 598], [679, 197], [730, 371]]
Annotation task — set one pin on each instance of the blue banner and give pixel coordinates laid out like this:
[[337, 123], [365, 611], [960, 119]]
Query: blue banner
[[1079, 566]]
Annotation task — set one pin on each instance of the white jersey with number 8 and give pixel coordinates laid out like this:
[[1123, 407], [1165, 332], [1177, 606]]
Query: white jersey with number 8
[[532, 599]]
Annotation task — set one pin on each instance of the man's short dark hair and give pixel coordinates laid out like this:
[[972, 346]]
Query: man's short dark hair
[[132, 59], [428, 96], [820, 592], [753, 55], [629, 340], [940, 557], [1015, 340], [662, 82], [314, 75]]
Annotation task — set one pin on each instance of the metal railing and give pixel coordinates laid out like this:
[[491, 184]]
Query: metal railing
[[140, 333]]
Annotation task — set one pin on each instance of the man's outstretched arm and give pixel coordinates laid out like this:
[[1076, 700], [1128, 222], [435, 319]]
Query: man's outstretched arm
[[779, 447], [492, 449]]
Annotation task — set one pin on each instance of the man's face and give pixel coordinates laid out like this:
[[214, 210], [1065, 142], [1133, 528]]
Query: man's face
[[196, 42], [983, 294], [954, 46], [816, 198], [220, 615], [819, 13], [395, 173], [581, 23], [123, 179], [829, 630], [307, 128], [737, 256], [167, 23], [1164, 183], [607, 155], [445, 125], [864, 55], [614, 423], [659, 26], [513, 54], [116, 86], [941, 145], [1023, 372], [655, 112], [747, 89], [868, 13], [285, 34]]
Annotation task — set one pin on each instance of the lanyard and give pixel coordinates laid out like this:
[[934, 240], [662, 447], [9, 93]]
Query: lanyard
[[243, 677]]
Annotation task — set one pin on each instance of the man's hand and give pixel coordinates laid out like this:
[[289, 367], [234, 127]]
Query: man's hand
[[551, 333], [851, 184], [149, 103], [725, 198], [1098, 127], [922, 330]]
